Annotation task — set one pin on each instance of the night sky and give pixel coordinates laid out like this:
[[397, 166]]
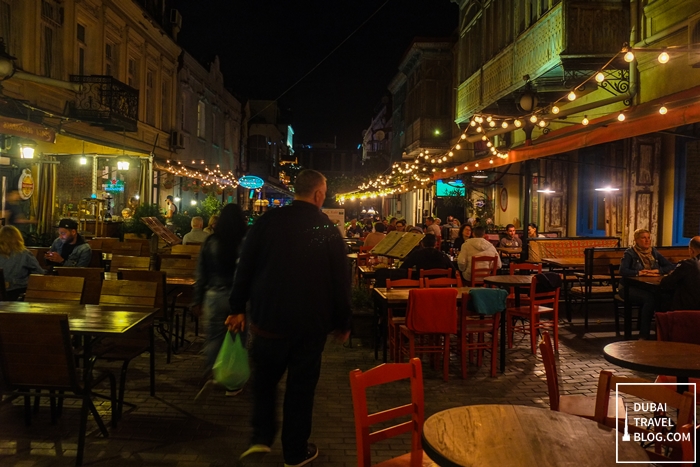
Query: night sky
[[265, 46]]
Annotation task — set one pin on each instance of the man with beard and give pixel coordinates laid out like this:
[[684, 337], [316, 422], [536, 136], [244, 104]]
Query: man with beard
[[69, 249]]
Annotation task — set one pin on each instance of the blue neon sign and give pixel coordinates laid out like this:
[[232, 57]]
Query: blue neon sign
[[251, 182]]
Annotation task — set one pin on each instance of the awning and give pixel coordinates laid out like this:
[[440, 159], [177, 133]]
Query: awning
[[26, 129], [274, 186], [683, 109]]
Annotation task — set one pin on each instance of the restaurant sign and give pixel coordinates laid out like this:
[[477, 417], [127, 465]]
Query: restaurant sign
[[251, 182], [114, 186], [26, 184], [24, 129]]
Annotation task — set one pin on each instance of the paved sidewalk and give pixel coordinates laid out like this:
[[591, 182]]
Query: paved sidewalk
[[174, 430]]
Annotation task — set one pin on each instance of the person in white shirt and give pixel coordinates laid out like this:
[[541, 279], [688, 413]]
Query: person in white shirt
[[196, 235], [477, 246]]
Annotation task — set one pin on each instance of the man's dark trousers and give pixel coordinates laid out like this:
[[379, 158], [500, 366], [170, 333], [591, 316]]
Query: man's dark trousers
[[300, 356]]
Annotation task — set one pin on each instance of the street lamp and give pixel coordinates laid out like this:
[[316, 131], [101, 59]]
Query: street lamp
[[27, 149]]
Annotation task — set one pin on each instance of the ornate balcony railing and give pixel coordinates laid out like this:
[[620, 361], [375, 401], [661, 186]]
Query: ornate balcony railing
[[105, 101]]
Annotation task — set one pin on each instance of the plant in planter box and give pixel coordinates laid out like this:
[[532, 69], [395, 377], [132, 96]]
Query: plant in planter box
[[134, 224]]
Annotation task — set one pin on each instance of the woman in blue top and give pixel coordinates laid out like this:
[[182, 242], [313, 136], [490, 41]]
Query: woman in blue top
[[641, 259], [16, 262]]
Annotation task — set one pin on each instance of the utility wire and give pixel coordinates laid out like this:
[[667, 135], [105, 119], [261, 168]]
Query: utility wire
[[324, 58]]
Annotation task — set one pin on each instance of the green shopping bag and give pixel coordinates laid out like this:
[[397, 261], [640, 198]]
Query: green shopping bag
[[231, 368]]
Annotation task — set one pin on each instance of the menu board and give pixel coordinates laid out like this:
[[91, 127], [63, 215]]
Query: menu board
[[337, 216], [397, 244], [162, 231]]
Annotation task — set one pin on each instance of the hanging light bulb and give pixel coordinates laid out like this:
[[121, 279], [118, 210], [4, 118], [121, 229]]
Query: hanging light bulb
[[663, 110], [490, 161], [571, 96], [517, 123], [663, 57], [458, 147], [555, 110], [533, 119], [492, 124], [484, 138], [542, 123], [450, 153], [464, 136], [466, 167], [584, 122], [621, 117], [472, 123], [476, 165], [489, 118], [629, 56], [489, 144], [479, 129], [504, 124], [600, 77]]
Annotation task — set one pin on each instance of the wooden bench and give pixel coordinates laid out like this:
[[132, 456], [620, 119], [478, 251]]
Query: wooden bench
[[566, 247]]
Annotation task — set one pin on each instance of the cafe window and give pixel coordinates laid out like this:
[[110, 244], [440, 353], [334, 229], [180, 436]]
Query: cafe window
[[591, 203]]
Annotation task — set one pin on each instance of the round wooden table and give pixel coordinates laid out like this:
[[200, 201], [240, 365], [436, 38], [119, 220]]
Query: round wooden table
[[519, 436], [659, 357], [509, 281]]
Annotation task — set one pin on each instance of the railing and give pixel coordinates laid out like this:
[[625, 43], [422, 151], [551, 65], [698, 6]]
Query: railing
[[105, 101]]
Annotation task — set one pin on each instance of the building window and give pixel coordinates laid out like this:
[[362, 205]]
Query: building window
[[111, 60], [201, 113], [150, 99], [591, 203], [47, 49], [6, 26], [133, 71], [183, 112], [165, 105], [213, 129], [82, 45], [227, 135]]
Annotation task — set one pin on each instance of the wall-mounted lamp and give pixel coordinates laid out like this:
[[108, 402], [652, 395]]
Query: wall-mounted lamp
[[122, 165], [607, 189], [27, 149], [83, 160], [546, 189]]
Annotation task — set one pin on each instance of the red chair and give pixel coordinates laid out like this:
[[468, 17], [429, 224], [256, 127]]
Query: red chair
[[394, 322], [383, 374], [483, 266], [433, 273], [444, 282], [514, 269], [574, 404], [431, 317], [540, 303], [474, 324], [678, 326]]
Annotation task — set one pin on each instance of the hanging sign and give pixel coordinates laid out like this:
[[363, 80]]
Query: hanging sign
[[26, 184], [251, 182], [114, 186]]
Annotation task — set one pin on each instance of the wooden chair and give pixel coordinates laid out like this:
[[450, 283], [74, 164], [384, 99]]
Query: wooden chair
[[434, 273], [50, 289], [663, 449], [127, 249], [120, 262], [475, 324], [528, 268], [444, 282], [165, 316], [189, 249], [178, 267], [540, 303], [36, 355], [431, 317], [364, 437], [96, 259], [483, 266], [394, 322], [125, 349], [145, 245], [93, 281], [618, 300], [574, 404], [95, 243], [107, 244], [678, 326], [39, 253]]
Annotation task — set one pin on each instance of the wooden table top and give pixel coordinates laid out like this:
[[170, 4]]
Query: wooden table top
[[510, 250], [659, 357], [517, 279], [646, 280], [184, 281], [88, 319], [567, 262], [400, 296], [519, 436], [352, 255]]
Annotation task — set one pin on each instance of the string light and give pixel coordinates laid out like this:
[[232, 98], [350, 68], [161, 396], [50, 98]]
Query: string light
[[663, 57], [571, 96], [621, 117], [584, 122], [555, 110], [600, 77], [629, 57], [663, 110]]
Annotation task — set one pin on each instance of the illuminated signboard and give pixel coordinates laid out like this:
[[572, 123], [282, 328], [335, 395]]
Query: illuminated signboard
[[114, 186], [251, 182]]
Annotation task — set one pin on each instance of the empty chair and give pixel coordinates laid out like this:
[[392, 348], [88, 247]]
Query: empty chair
[[93, 282], [36, 354], [120, 262], [145, 244], [664, 449], [518, 268], [96, 259], [125, 349], [127, 249], [443, 282], [543, 299], [189, 249], [481, 316], [42, 289], [394, 322], [177, 267], [431, 317], [575, 404], [107, 244], [365, 437], [678, 326], [435, 273], [483, 266]]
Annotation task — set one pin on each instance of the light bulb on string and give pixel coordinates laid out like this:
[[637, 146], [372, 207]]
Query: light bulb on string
[[571, 96], [492, 124], [517, 123], [555, 110], [489, 144], [584, 122], [451, 154], [504, 124], [663, 57], [663, 110], [621, 117], [484, 138], [479, 129], [458, 147], [533, 119], [542, 123], [600, 77], [472, 123], [490, 161], [629, 57], [489, 118]]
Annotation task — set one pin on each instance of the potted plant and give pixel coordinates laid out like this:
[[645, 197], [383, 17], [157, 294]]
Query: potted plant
[[134, 225]]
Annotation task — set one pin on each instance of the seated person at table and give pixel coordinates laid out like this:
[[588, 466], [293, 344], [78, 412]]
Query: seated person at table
[[69, 249], [16, 262], [532, 231], [465, 233], [432, 227], [641, 259], [511, 239], [477, 246], [197, 234], [684, 281], [401, 225], [427, 256], [377, 236], [354, 230]]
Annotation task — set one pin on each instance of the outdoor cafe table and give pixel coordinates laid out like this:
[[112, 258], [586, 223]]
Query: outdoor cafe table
[[519, 436], [400, 297], [94, 321], [572, 262], [677, 359], [508, 281], [643, 282]]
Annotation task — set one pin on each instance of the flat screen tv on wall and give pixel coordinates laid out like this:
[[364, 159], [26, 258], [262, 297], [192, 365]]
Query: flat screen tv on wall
[[450, 188]]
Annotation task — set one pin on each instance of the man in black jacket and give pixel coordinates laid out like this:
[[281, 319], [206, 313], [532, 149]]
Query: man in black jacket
[[427, 257], [684, 281], [293, 269]]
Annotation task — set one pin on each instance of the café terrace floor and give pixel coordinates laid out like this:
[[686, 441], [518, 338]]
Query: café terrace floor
[[174, 430]]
